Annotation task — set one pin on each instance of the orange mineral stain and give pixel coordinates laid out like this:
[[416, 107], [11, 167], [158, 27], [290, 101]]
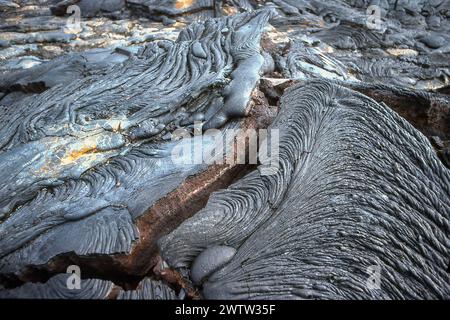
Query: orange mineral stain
[[77, 154], [182, 4]]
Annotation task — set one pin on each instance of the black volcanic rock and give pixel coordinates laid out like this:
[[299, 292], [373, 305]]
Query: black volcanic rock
[[57, 288], [357, 187], [84, 162], [148, 289], [91, 109]]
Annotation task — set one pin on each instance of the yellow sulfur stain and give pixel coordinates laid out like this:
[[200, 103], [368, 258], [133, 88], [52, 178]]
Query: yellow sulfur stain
[[182, 4], [62, 155], [74, 155]]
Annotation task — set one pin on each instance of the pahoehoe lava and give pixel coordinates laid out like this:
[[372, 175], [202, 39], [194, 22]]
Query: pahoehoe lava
[[87, 159], [94, 94], [358, 186]]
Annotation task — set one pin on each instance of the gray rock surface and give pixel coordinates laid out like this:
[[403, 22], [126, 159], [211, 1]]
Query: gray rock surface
[[57, 288], [357, 187], [89, 105], [148, 289], [84, 160]]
